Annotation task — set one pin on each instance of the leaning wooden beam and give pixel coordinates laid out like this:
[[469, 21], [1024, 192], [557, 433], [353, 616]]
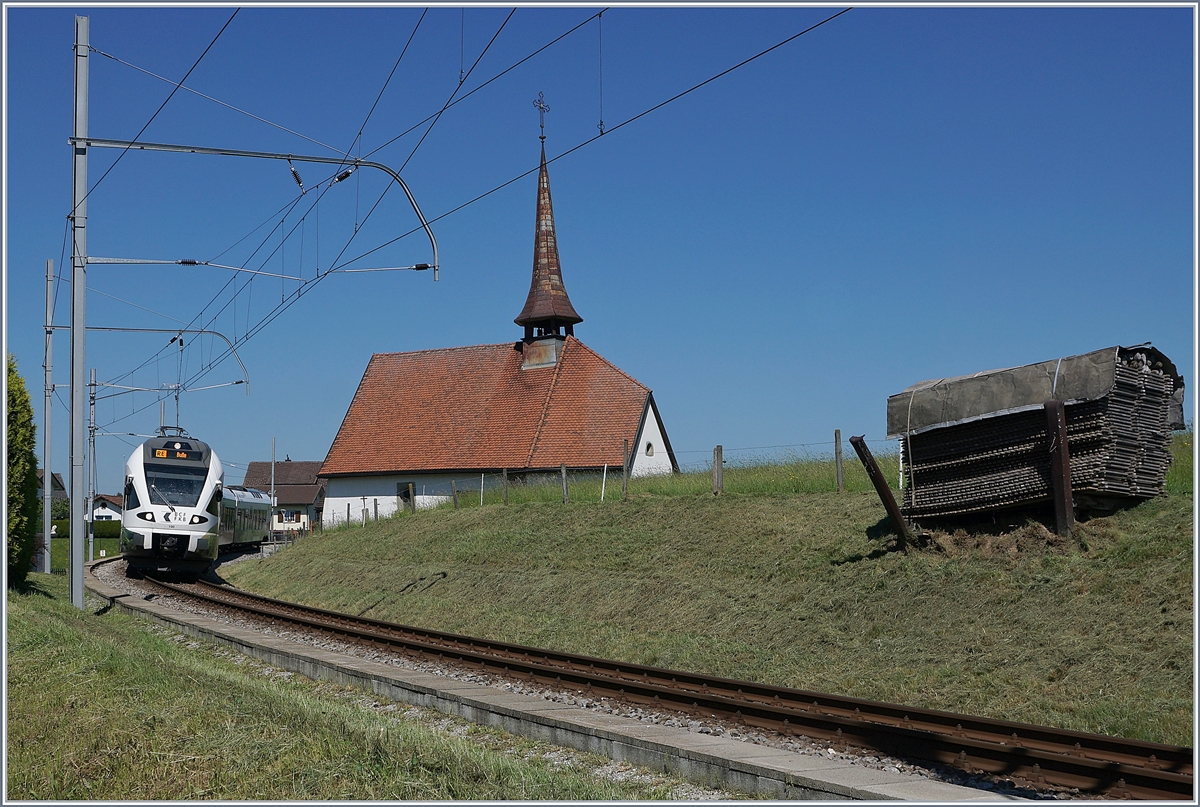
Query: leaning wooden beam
[[881, 487]]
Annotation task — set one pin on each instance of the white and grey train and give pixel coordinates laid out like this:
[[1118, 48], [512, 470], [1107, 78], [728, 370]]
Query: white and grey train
[[178, 513]]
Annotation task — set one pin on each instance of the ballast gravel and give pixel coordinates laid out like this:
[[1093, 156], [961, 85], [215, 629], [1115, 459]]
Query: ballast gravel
[[113, 574]]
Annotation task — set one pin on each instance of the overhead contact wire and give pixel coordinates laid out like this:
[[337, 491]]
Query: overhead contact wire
[[594, 138], [179, 85], [499, 75], [433, 123], [301, 291], [174, 90], [334, 265]]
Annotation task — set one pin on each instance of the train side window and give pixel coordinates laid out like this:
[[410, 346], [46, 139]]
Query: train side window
[[131, 497]]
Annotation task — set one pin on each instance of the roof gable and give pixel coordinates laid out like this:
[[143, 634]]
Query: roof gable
[[474, 408]]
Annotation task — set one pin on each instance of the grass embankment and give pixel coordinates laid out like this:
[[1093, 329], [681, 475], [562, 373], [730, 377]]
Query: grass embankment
[[797, 589], [749, 475], [110, 707]]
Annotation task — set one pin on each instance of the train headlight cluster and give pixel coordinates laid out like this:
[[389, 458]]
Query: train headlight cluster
[[198, 519], [146, 516]]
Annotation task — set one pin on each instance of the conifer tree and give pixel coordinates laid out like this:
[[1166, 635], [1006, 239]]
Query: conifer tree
[[22, 477]]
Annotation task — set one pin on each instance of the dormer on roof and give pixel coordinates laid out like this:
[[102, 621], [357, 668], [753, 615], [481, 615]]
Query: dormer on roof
[[548, 312]]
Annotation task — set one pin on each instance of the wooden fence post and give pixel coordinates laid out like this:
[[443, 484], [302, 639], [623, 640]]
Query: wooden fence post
[[625, 472], [1060, 468], [412, 498], [506, 486], [454, 493], [566, 499], [377, 509], [718, 471], [837, 459]]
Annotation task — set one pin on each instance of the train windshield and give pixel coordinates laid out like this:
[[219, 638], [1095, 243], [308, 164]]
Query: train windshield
[[177, 484]]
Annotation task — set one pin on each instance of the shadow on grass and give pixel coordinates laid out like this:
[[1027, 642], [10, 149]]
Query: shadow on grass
[[28, 587], [880, 530]]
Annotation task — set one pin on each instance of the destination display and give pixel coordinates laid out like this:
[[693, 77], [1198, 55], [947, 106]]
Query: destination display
[[177, 454]]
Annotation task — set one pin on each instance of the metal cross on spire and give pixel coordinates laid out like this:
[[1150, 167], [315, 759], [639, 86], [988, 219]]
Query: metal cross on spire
[[542, 109]]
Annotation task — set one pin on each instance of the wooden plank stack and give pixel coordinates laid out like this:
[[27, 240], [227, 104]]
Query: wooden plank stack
[[1119, 448]]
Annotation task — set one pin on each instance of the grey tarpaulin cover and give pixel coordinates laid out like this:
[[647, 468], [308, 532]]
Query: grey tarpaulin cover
[[1087, 377]]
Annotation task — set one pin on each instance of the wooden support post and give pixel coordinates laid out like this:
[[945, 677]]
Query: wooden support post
[[377, 509], [506, 486], [1060, 468], [412, 498], [566, 499], [837, 459], [454, 493], [625, 472], [718, 471], [881, 488]]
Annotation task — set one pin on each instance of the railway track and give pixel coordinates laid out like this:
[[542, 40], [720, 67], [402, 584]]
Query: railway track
[[1031, 755]]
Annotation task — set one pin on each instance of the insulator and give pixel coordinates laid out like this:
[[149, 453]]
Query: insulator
[[344, 175], [189, 262], [296, 175]]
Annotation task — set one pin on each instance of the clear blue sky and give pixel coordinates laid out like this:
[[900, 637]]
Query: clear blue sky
[[901, 194]]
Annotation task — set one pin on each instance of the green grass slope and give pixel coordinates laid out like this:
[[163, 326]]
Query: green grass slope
[[109, 707], [797, 589]]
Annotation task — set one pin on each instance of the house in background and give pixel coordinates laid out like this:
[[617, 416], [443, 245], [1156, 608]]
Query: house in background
[[299, 494], [58, 490], [430, 417], [107, 507]]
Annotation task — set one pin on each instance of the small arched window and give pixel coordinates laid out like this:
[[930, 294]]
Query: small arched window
[[649, 449]]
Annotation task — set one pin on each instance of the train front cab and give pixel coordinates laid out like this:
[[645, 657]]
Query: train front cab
[[172, 495]]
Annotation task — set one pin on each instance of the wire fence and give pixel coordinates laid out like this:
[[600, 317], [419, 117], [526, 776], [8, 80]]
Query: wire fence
[[787, 469]]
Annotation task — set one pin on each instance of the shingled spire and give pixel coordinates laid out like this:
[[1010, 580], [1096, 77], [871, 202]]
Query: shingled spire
[[547, 308]]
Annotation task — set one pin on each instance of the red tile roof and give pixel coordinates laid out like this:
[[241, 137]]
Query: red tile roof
[[474, 408]]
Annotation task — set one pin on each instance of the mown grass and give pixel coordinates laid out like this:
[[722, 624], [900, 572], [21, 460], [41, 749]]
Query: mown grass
[[748, 476], [798, 589], [60, 550], [108, 707]]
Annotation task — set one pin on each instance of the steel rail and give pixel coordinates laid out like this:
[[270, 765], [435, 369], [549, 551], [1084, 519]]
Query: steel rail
[[1036, 755]]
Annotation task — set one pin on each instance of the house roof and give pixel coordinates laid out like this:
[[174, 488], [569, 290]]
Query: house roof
[[299, 494], [113, 499], [474, 408], [547, 303], [58, 489], [287, 472]]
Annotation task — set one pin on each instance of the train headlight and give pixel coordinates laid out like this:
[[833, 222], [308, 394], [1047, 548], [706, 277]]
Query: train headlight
[[197, 519], [147, 516]]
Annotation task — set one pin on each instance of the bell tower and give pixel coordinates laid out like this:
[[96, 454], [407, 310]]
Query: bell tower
[[548, 316]]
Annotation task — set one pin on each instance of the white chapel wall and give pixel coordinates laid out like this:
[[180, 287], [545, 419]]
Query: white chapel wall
[[651, 456], [368, 492]]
